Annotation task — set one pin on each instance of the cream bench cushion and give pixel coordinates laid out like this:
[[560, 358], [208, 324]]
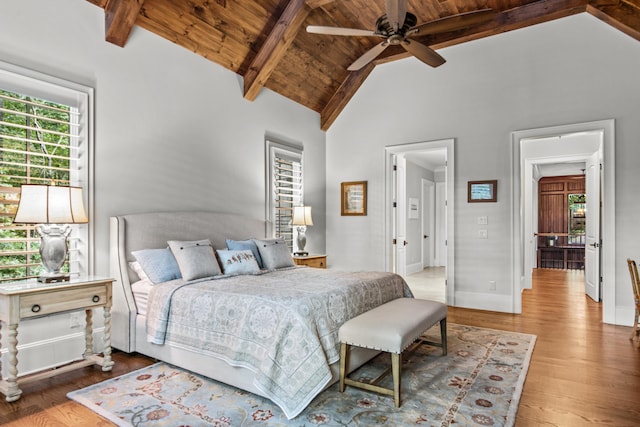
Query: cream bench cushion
[[391, 327]]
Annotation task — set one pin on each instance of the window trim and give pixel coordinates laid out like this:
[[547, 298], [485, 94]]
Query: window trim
[[293, 151], [55, 89]]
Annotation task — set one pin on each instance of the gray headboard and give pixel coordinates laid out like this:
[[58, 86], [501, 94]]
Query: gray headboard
[[152, 230]]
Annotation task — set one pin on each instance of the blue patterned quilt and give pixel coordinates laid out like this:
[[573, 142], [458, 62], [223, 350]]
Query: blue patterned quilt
[[283, 325]]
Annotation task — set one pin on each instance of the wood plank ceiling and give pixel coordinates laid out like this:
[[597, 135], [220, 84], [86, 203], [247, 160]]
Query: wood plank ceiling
[[266, 41]]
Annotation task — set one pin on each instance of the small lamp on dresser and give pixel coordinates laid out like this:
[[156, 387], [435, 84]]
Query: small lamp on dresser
[[301, 219], [52, 209]]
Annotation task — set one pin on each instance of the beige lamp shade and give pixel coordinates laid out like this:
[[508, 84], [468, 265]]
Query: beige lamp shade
[[48, 204], [302, 215]]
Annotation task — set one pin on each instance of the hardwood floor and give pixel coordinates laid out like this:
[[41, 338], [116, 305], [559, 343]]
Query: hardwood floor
[[582, 372]]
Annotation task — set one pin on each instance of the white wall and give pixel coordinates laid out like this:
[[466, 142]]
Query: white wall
[[540, 76], [172, 130]]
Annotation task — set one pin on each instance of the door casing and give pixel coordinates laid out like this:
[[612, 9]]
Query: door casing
[[390, 153], [607, 219]]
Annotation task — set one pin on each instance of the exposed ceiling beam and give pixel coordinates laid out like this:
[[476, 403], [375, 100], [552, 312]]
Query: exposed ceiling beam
[[624, 17], [119, 18], [508, 20], [343, 95], [274, 47]]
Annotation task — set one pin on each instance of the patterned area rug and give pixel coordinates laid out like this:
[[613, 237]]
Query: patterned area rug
[[479, 382]]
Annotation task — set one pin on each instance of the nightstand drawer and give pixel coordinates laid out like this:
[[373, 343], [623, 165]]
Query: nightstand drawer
[[315, 261], [63, 300]]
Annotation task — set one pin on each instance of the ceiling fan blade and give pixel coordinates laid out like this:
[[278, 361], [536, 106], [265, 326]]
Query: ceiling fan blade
[[339, 31], [453, 22], [396, 13], [368, 56], [423, 53]]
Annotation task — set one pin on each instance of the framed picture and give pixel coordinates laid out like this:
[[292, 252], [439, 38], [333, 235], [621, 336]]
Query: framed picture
[[413, 208], [482, 191], [354, 198]]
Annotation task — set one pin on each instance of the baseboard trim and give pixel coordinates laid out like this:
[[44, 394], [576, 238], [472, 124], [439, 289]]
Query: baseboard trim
[[414, 268], [484, 301]]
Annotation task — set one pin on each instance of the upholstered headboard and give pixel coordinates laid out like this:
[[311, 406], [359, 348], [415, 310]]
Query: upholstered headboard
[[150, 231]]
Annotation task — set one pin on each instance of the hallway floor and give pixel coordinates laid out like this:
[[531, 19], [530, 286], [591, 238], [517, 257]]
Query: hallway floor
[[429, 284]]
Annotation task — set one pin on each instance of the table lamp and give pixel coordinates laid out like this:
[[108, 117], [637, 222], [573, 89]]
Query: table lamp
[[302, 218], [52, 209]]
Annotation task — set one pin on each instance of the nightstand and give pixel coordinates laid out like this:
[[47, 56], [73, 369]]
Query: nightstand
[[316, 261], [28, 299]]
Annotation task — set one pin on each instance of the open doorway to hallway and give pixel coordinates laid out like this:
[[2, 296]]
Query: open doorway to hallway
[[420, 222], [558, 144]]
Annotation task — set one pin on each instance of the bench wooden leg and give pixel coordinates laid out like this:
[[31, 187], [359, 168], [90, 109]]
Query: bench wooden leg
[[344, 362], [443, 334], [396, 360]]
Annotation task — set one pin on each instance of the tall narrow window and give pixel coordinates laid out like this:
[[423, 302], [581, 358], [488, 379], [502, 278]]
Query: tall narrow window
[[285, 189], [44, 139]]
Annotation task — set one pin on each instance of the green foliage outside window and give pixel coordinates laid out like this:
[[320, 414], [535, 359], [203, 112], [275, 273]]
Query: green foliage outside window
[[34, 149]]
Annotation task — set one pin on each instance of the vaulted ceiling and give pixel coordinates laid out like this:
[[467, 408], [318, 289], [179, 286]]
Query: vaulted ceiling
[[266, 41]]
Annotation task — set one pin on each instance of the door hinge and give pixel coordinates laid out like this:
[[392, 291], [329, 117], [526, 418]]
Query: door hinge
[[446, 242], [395, 205], [394, 241], [395, 167]]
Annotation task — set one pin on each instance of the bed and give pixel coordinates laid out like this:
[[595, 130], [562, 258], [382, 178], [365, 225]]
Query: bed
[[272, 332]]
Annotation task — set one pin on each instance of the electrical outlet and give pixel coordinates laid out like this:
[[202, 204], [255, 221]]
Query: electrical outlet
[[76, 320], [482, 234], [483, 220], [492, 285]]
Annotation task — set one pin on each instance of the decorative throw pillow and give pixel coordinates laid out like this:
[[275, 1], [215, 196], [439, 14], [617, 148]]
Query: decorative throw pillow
[[238, 262], [239, 245], [135, 266], [275, 253], [195, 258], [159, 264]]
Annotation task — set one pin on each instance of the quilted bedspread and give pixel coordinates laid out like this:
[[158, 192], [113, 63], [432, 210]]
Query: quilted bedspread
[[283, 325]]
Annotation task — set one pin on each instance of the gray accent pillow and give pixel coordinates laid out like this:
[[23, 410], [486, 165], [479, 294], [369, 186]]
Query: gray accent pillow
[[238, 245], [275, 253], [159, 264], [195, 258], [238, 262]]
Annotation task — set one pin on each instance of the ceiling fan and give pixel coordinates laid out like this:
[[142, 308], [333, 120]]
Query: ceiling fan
[[397, 26]]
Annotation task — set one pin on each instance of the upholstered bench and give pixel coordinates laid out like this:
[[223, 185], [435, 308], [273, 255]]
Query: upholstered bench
[[391, 327]]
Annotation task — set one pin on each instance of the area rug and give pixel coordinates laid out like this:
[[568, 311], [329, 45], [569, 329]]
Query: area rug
[[479, 382]]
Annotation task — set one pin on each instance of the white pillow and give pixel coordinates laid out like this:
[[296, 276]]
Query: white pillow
[[274, 253], [238, 262], [196, 258]]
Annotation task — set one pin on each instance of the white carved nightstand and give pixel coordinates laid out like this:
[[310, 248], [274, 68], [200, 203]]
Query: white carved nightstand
[[29, 299]]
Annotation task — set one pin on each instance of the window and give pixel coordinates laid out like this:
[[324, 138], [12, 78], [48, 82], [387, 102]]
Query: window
[[577, 219], [285, 189], [45, 138]]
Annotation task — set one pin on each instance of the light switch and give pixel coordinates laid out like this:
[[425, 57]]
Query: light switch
[[483, 220], [482, 234]]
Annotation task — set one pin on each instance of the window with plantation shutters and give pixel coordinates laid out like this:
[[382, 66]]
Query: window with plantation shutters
[[44, 139], [285, 188]]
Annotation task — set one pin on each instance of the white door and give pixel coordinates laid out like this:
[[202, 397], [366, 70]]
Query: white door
[[428, 201], [592, 229], [400, 219], [441, 225]]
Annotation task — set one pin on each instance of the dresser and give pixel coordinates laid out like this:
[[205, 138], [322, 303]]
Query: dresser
[[316, 261], [29, 299]]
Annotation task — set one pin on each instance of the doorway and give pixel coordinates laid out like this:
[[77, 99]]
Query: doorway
[[533, 147], [407, 229]]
